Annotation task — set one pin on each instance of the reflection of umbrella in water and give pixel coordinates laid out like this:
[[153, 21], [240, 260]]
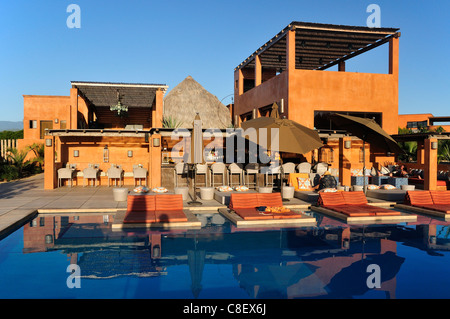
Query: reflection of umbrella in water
[[284, 135], [196, 262], [352, 280], [273, 280], [196, 153], [369, 131]]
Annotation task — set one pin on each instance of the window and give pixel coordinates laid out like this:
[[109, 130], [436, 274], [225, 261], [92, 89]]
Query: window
[[33, 124], [418, 124], [45, 125], [63, 125]]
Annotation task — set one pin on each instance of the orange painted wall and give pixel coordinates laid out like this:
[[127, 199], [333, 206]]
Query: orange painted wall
[[308, 91], [403, 119], [268, 92], [90, 151], [44, 107], [311, 91]]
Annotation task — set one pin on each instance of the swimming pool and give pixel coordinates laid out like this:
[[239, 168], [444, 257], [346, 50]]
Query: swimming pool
[[81, 256]]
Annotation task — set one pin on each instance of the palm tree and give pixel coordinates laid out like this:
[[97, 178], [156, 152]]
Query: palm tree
[[38, 150], [444, 153], [410, 149], [17, 159]]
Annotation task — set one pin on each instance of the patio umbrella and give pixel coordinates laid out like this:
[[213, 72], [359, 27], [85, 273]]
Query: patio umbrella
[[290, 136], [196, 152], [368, 131]]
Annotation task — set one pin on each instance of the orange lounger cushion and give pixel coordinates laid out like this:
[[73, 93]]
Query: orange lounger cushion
[[252, 214], [249, 200], [270, 199], [140, 203], [331, 199], [419, 198], [354, 198], [169, 202], [436, 207], [440, 197], [287, 215]]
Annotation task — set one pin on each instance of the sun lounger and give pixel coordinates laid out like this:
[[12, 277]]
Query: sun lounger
[[243, 210], [353, 207], [155, 209], [436, 203]]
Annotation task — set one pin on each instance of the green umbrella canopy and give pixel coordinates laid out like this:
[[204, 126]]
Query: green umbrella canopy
[[367, 130], [291, 136]]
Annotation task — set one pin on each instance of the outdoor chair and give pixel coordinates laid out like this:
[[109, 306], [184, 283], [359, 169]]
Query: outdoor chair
[[202, 169], [140, 173], [90, 173], [179, 169], [235, 168], [304, 167], [66, 173], [272, 170], [218, 169], [252, 169], [115, 173], [321, 168], [288, 168]]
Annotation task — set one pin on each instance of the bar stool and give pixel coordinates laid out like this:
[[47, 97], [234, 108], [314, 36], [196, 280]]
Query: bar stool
[[139, 173], [179, 169], [321, 168], [272, 170], [115, 172], [252, 169], [235, 168], [304, 167], [218, 169], [288, 168], [202, 169]]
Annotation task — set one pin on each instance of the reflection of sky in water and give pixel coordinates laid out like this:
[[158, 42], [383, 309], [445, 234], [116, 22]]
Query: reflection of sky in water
[[302, 263]]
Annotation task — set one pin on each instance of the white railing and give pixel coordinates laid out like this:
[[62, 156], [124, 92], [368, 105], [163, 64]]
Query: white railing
[[4, 145]]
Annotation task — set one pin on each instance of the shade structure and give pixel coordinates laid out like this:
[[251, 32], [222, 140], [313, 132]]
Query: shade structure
[[283, 135], [196, 152], [368, 131]]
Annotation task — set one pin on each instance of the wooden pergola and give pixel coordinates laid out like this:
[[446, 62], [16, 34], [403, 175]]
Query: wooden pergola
[[319, 46], [106, 93]]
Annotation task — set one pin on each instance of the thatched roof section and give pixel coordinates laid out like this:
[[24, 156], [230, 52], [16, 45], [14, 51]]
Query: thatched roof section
[[189, 97]]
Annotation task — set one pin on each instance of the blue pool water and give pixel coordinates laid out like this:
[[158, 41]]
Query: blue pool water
[[332, 260]]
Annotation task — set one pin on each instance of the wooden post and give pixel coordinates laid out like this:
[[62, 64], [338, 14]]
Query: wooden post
[[50, 177], [73, 122], [258, 71], [393, 56], [290, 50], [345, 161], [430, 171], [154, 161]]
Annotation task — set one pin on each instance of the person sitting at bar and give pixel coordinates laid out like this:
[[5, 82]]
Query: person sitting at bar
[[326, 181]]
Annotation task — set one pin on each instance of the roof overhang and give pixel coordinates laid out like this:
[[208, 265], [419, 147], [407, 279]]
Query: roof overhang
[[421, 136], [319, 46], [107, 93]]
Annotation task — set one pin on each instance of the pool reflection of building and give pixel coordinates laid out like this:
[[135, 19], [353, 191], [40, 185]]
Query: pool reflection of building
[[328, 261]]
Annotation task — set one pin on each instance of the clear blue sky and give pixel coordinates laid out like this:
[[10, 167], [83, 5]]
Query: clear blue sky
[[165, 41]]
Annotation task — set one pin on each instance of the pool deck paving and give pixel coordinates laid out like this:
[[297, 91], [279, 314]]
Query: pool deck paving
[[23, 198]]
